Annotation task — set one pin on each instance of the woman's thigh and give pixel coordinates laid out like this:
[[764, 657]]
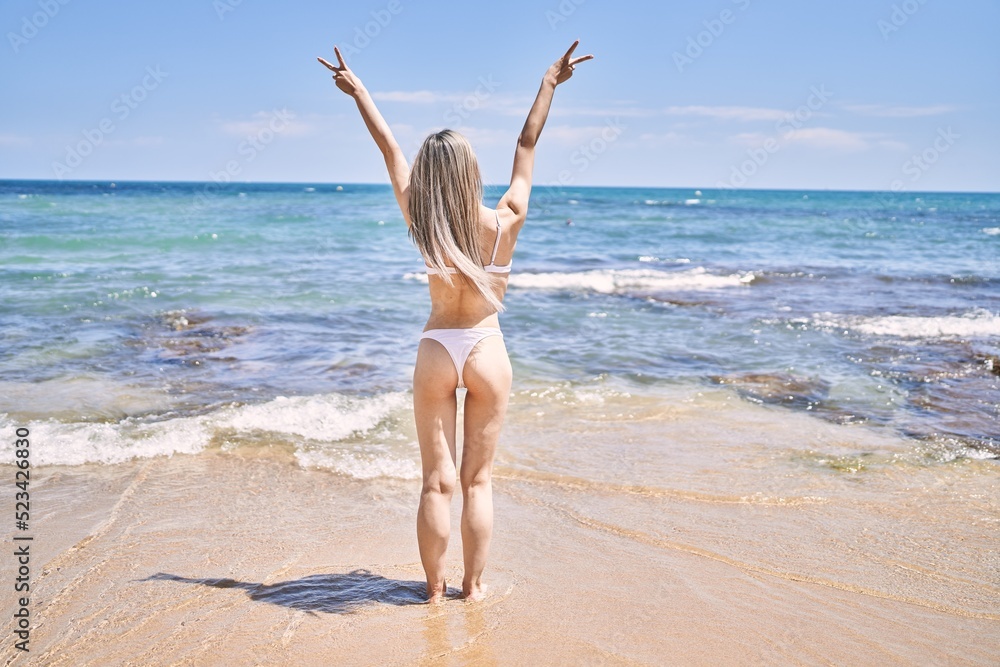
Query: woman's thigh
[[435, 408], [488, 377]]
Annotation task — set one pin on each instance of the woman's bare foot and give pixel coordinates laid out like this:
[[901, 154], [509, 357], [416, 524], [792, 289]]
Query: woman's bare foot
[[435, 594], [474, 593]]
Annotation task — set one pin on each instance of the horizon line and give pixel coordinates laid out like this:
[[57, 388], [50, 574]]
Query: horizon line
[[500, 185]]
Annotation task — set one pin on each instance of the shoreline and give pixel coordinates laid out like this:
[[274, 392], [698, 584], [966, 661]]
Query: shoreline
[[245, 558]]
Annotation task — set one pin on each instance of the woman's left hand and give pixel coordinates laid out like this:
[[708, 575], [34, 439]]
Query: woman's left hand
[[345, 79], [562, 69]]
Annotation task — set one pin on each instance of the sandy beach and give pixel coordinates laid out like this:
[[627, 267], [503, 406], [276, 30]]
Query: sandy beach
[[238, 556]]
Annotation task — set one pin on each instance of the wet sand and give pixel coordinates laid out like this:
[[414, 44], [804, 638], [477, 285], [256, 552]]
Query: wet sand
[[241, 557]]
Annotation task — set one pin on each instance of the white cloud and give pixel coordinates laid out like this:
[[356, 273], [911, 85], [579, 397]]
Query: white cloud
[[728, 112], [279, 121], [751, 139], [135, 142], [687, 125], [574, 135], [659, 138], [413, 96], [827, 138], [465, 103], [402, 130], [510, 105], [518, 105], [823, 138], [14, 140], [147, 141], [608, 112], [886, 111], [893, 145]]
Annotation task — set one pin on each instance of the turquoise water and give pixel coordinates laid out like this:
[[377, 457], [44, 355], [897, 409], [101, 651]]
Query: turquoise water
[[131, 304]]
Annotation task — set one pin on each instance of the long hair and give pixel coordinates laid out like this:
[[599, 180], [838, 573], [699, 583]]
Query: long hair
[[446, 191]]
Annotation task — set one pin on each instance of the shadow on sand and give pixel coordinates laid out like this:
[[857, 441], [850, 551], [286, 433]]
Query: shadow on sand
[[331, 593]]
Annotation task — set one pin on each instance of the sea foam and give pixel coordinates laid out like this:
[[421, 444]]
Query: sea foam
[[374, 460], [313, 421], [616, 281], [977, 323], [608, 281]]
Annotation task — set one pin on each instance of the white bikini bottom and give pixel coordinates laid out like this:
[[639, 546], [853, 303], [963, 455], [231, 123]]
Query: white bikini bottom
[[460, 342]]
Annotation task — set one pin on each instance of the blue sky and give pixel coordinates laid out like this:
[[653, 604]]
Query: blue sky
[[872, 95]]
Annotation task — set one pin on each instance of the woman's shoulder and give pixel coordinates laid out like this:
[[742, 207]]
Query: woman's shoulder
[[490, 216]]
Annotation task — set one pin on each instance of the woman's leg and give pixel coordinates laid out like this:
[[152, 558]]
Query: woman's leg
[[434, 410], [487, 375]]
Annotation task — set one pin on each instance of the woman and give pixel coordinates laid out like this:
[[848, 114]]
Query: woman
[[461, 346]]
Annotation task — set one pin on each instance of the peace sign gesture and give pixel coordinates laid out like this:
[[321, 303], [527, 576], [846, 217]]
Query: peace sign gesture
[[345, 79], [563, 68]]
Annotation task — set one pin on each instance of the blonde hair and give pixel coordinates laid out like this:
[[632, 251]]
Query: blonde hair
[[446, 191]]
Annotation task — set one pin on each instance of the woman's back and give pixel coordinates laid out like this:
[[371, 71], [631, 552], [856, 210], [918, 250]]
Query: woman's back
[[460, 304]]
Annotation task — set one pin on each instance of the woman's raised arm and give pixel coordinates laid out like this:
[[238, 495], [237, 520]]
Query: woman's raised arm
[[395, 161], [516, 197]]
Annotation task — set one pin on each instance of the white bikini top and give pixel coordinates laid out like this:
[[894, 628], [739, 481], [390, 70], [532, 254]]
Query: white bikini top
[[492, 267]]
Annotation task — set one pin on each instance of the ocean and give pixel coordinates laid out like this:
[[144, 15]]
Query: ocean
[[746, 427], [143, 319]]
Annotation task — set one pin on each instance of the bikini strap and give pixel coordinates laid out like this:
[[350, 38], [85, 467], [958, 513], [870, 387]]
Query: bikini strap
[[496, 246]]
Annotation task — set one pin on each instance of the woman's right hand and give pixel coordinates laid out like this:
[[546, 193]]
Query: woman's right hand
[[345, 79], [562, 69]]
